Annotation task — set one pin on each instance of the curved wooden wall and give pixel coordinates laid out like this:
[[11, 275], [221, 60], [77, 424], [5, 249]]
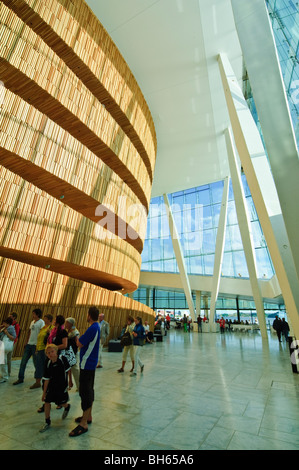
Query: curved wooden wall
[[77, 156], [60, 295]]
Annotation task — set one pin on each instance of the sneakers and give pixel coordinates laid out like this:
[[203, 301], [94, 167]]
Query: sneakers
[[120, 370], [45, 427]]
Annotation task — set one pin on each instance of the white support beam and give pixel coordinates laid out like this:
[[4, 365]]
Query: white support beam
[[245, 231], [220, 239], [258, 47], [260, 180], [179, 258]]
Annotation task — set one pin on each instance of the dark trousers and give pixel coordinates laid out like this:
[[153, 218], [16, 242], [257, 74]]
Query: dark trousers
[[86, 388], [28, 352]]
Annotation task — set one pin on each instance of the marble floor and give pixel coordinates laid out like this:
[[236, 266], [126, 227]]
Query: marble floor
[[198, 391]]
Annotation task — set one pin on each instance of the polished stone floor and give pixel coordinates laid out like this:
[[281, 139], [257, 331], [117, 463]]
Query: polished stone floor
[[197, 391]]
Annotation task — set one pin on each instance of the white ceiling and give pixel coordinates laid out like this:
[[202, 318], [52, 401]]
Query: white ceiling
[[171, 47]]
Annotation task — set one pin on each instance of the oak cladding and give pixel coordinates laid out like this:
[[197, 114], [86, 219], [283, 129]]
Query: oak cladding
[[25, 287], [78, 37], [77, 156]]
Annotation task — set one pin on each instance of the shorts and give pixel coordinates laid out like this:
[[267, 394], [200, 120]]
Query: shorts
[[57, 398], [86, 388]]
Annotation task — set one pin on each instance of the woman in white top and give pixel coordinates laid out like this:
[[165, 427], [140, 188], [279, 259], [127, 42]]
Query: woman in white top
[[35, 327], [7, 337]]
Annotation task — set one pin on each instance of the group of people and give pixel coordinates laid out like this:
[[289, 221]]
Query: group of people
[[59, 354], [134, 336], [281, 327]]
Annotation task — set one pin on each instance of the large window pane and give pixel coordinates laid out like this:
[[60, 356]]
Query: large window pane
[[196, 214]]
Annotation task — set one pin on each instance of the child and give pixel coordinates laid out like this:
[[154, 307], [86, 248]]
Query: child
[[56, 375]]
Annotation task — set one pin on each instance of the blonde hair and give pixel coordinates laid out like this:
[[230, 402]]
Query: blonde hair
[[51, 346]]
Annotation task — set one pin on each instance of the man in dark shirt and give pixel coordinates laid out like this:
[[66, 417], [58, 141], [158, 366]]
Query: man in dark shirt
[[277, 327]]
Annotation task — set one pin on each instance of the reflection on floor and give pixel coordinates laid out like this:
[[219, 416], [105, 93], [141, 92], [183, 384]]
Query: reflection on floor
[[197, 391]]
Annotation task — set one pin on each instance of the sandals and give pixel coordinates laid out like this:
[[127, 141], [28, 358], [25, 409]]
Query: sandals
[[78, 431], [78, 420]]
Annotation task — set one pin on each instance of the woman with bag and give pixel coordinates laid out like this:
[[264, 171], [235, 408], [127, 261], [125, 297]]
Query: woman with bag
[[138, 342], [73, 333], [127, 343]]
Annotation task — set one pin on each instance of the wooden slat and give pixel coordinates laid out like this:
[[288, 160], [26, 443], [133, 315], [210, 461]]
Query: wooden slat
[[24, 287], [61, 95], [101, 54]]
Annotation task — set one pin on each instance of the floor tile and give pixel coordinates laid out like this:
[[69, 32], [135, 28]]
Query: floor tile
[[198, 391]]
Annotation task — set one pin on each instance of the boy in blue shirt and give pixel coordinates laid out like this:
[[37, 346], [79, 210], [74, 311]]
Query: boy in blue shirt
[[88, 344]]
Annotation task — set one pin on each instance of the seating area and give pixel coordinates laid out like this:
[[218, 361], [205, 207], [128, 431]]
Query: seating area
[[243, 327]]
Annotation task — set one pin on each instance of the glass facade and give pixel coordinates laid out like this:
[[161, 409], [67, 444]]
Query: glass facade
[[174, 303], [196, 211], [284, 16], [196, 215]]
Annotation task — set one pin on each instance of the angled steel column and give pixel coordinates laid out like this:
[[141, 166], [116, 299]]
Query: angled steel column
[[260, 180], [220, 239], [258, 47], [179, 257], [245, 231]]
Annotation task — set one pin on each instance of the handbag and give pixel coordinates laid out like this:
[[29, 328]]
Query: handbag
[[69, 355], [126, 339]]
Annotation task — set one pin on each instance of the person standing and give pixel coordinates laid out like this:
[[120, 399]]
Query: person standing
[[60, 336], [199, 319], [105, 330], [39, 356], [168, 321], [285, 329], [277, 327], [7, 337], [35, 327], [138, 341], [88, 344], [222, 325], [56, 375], [16, 326], [73, 334], [129, 348], [185, 323]]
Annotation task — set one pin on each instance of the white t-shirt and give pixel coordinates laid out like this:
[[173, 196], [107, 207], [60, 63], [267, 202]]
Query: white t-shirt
[[35, 327]]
